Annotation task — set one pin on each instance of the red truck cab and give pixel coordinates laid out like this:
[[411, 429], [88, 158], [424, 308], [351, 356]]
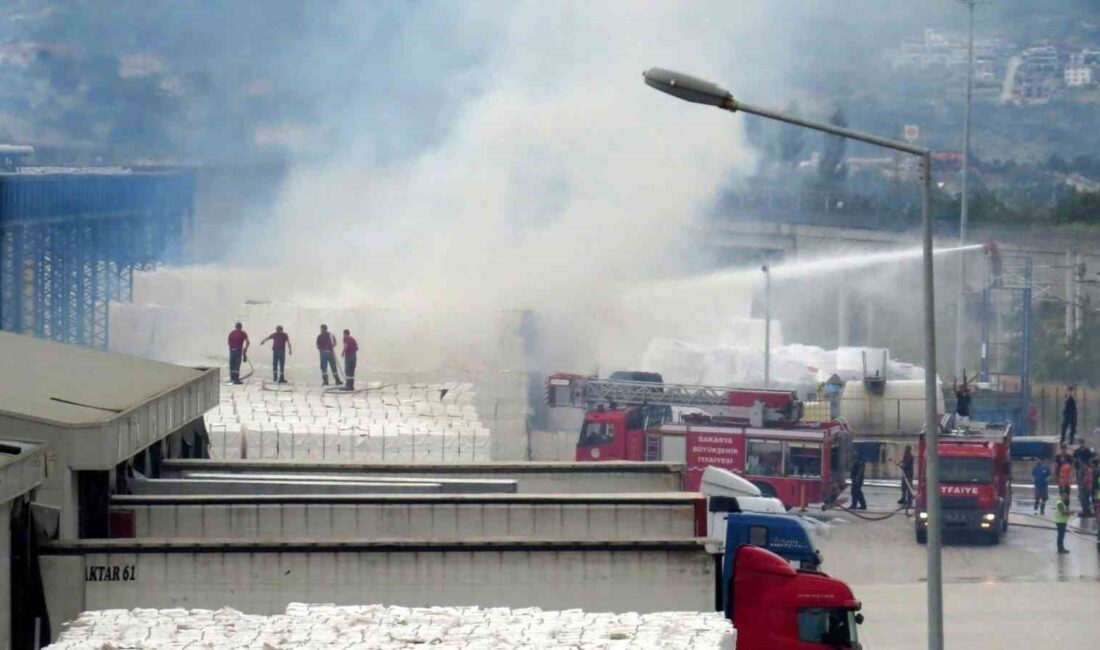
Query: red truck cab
[[617, 434], [975, 482], [777, 607]]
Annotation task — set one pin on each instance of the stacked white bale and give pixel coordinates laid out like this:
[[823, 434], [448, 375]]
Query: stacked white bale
[[397, 628], [411, 423]]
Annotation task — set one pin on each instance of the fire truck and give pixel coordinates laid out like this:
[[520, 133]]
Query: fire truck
[[756, 433], [975, 481]]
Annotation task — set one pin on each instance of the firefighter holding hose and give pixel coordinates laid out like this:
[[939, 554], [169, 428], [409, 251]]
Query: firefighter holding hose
[[238, 351]]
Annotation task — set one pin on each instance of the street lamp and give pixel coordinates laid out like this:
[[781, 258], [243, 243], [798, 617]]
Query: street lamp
[[767, 325], [696, 90]]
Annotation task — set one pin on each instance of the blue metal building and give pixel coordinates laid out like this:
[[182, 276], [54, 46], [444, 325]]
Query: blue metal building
[[1006, 341], [70, 241]]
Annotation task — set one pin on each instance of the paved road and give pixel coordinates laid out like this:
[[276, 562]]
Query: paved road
[[1020, 594]]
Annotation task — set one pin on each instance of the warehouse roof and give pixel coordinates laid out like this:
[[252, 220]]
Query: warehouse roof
[[22, 467], [69, 385]]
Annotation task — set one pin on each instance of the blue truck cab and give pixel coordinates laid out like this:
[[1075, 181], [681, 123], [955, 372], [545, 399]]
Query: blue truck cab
[[783, 535]]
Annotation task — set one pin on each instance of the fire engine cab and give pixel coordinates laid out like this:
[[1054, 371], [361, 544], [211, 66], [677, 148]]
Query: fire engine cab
[[756, 433], [975, 481]]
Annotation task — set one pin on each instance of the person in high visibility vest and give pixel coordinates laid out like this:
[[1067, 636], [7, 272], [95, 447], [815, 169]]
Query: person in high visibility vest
[[1061, 519]]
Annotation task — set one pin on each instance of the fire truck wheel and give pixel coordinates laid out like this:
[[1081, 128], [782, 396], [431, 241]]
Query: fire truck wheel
[[994, 537], [922, 536]]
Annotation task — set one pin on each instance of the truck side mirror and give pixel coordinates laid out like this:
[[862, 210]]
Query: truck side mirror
[[723, 504]]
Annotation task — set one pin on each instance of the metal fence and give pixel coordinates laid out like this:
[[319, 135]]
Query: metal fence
[[1049, 400]]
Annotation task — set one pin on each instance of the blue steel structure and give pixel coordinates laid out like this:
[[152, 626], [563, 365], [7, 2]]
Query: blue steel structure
[[71, 240], [1006, 338]]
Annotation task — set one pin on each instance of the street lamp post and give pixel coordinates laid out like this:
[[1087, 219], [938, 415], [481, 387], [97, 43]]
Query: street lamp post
[[767, 325], [699, 91]]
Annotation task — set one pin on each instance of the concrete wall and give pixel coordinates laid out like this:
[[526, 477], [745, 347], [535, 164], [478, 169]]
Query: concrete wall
[[264, 578], [549, 446], [595, 518], [533, 478]]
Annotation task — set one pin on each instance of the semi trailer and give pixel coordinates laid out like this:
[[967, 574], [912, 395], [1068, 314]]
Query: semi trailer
[[765, 579]]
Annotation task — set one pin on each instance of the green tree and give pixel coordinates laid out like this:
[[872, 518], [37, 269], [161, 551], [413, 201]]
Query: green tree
[[1078, 207]]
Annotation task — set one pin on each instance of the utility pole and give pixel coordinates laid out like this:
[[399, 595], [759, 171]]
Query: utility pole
[[960, 296]]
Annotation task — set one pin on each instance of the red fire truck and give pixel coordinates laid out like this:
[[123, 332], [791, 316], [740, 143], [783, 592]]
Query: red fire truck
[[756, 433], [975, 482]]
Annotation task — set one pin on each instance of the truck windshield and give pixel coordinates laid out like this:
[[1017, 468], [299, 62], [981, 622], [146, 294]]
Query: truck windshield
[[596, 433], [835, 628], [965, 470]]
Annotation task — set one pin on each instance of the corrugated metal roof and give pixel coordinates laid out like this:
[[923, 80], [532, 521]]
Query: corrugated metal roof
[[70, 385]]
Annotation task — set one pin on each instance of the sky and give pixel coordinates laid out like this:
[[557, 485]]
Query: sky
[[457, 158]]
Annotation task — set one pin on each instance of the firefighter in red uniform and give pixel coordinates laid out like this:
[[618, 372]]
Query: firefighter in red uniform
[[280, 346], [238, 351], [326, 344], [351, 348]]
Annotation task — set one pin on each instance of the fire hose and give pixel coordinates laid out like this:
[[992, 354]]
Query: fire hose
[[1076, 530], [904, 507], [251, 368]]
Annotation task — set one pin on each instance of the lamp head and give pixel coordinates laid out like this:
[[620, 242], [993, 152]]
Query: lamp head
[[689, 88]]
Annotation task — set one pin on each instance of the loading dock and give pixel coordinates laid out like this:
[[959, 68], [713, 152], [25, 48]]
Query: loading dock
[[100, 414], [531, 478], [413, 517], [264, 577]]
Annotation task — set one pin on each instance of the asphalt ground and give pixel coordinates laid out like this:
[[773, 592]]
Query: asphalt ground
[[1018, 594]]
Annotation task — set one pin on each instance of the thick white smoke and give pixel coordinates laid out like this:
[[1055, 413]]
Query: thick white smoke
[[561, 184], [553, 180]]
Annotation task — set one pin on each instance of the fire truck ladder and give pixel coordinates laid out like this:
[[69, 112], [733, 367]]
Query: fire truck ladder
[[626, 393], [652, 446]]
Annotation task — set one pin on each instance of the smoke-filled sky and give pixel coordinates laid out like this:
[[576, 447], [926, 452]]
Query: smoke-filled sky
[[450, 157]]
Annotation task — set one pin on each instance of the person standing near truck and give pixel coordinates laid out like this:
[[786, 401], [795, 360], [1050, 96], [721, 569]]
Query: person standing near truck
[[1095, 488], [1061, 520], [906, 466], [1069, 416], [1065, 476], [962, 403], [1040, 479], [859, 502], [1084, 485]]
